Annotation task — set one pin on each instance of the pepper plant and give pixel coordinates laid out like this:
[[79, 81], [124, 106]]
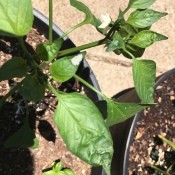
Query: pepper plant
[[86, 133]]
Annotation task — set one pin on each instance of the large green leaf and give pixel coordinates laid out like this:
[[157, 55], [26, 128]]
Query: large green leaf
[[16, 17], [89, 17], [140, 4], [83, 129], [24, 137], [146, 38], [47, 51], [15, 67], [32, 89], [144, 74], [65, 68], [118, 112], [144, 18]]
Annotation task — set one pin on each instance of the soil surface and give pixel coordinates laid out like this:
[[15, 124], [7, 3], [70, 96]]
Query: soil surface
[[23, 161], [146, 148]]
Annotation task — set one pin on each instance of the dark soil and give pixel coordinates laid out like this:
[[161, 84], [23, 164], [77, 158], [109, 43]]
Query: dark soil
[[146, 148], [23, 161]]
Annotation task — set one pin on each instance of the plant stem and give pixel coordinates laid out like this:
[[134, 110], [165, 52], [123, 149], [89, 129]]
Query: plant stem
[[90, 86], [4, 98], [79, 48], [159, 170], [50, 20]]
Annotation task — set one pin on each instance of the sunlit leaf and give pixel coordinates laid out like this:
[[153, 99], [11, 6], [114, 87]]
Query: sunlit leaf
[[65, 68], [89, 17], [83, 129], [16, 17], [144, 74], [140, 4], [146, 38], [24, 137], [144, 18], [15, 67], [118, 112]]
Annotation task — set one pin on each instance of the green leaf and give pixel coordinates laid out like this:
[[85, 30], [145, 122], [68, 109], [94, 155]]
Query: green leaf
[[146, 38], [16, 17], [170, 143], [140, 4], [144, 18], [68, 172], [47, 51], [24, 137], [119, 112], [32, 89], [116, 43], [144, 75], [65, 68], [57, 166], [89, 17], [83, 129], [15, 67]]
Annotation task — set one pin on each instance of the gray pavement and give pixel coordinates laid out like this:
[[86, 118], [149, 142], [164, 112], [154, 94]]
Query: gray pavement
[[114, 72]]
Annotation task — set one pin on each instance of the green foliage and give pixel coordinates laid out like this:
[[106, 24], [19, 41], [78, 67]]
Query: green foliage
[[48, 51], [172, 144], [89, 17], [140, 4], [15, 67], [84, 133], [80, 122], [65, 68], [24, 137], [16, 17], [57, 169], [144, 18], [146, 38], [144, 73], [32, 89], [119, 112]]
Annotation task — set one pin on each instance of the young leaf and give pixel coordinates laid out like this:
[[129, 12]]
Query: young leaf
[[140, 4], [89, 18], [146, 38], [32, 89], [24, 137], [119, 112], [15, 67], [16, 17], [144, 18], [65, 68], [116, 43], [47, 51], [83, 129], [144, 74]]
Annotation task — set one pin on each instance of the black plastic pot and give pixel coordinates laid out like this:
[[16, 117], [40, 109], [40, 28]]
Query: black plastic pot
[[123, 133]]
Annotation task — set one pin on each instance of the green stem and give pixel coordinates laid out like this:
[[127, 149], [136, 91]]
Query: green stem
[[52, 88], [79, 48], [159, 170], [130, 54], [4, 98], [26, 52], [50, 20], [90, 86], [72, 29]]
